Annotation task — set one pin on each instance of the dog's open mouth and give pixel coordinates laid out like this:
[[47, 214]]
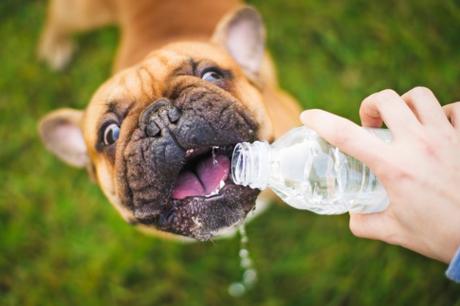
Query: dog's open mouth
[[178, 178], [205, 173]]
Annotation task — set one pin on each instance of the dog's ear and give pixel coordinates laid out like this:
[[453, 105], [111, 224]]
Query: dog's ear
[[242, 33], [61, 133]]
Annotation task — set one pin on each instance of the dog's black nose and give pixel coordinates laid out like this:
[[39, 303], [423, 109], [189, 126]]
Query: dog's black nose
[[158, 115]]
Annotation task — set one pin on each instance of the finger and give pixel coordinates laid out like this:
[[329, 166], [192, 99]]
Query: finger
[[426, 107], [376, 226], [346, 135], [452, 112], [369, 116], [387, 106], [370, 120]]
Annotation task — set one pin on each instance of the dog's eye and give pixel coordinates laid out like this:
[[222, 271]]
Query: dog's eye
[[111, 133], [212, 75]]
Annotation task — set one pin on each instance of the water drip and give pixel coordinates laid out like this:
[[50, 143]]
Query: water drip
[[249, 277]]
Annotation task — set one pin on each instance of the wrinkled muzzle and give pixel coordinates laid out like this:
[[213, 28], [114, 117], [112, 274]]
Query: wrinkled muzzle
[[173, 171]]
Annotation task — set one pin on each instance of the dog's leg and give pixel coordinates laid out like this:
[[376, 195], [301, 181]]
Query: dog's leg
[[65, 17], [56, 46]]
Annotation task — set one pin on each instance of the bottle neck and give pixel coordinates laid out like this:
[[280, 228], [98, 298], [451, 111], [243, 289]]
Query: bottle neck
[[251, 164]]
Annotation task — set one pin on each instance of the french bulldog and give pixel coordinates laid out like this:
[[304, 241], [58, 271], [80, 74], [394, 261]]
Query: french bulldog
[[191, 79]]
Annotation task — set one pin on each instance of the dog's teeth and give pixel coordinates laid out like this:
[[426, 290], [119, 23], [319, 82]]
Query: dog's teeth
[[216, 191], [213, 152]]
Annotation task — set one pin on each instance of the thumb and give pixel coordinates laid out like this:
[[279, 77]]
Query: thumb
[[377, 226]]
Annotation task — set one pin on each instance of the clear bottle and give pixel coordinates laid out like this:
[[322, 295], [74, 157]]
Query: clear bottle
[[308, 173]]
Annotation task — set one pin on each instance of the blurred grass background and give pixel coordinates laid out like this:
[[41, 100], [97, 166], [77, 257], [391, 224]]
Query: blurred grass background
[[62, 244]]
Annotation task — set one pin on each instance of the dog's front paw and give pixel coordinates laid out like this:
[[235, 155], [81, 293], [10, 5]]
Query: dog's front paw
[[55, 50]]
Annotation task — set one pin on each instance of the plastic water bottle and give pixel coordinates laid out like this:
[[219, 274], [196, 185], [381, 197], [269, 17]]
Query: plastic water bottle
[[308, 173]]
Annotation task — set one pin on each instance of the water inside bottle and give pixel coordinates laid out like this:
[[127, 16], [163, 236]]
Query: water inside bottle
[[308, 173], [249, 277]]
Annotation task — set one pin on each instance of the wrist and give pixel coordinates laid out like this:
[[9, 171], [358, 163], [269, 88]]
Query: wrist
[[455, 247], [449, 247], [448, 236]]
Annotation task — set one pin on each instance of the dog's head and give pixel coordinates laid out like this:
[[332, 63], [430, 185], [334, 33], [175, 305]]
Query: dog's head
[[158, 137]]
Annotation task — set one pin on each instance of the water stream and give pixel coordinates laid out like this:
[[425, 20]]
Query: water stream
[[249, 277]]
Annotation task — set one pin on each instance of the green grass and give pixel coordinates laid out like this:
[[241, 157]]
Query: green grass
[[62, 244]]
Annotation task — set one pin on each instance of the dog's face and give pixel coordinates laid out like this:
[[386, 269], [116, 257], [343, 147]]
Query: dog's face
[[158, 136]]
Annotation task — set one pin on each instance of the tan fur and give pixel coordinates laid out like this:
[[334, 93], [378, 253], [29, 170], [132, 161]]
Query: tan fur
[[158, 25], [149, 24]]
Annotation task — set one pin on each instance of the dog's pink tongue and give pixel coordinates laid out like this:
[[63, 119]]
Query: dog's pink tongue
[[187, 185], [209, 173], [212, 171]]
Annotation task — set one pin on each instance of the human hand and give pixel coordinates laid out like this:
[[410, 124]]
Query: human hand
[[420, 168]]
